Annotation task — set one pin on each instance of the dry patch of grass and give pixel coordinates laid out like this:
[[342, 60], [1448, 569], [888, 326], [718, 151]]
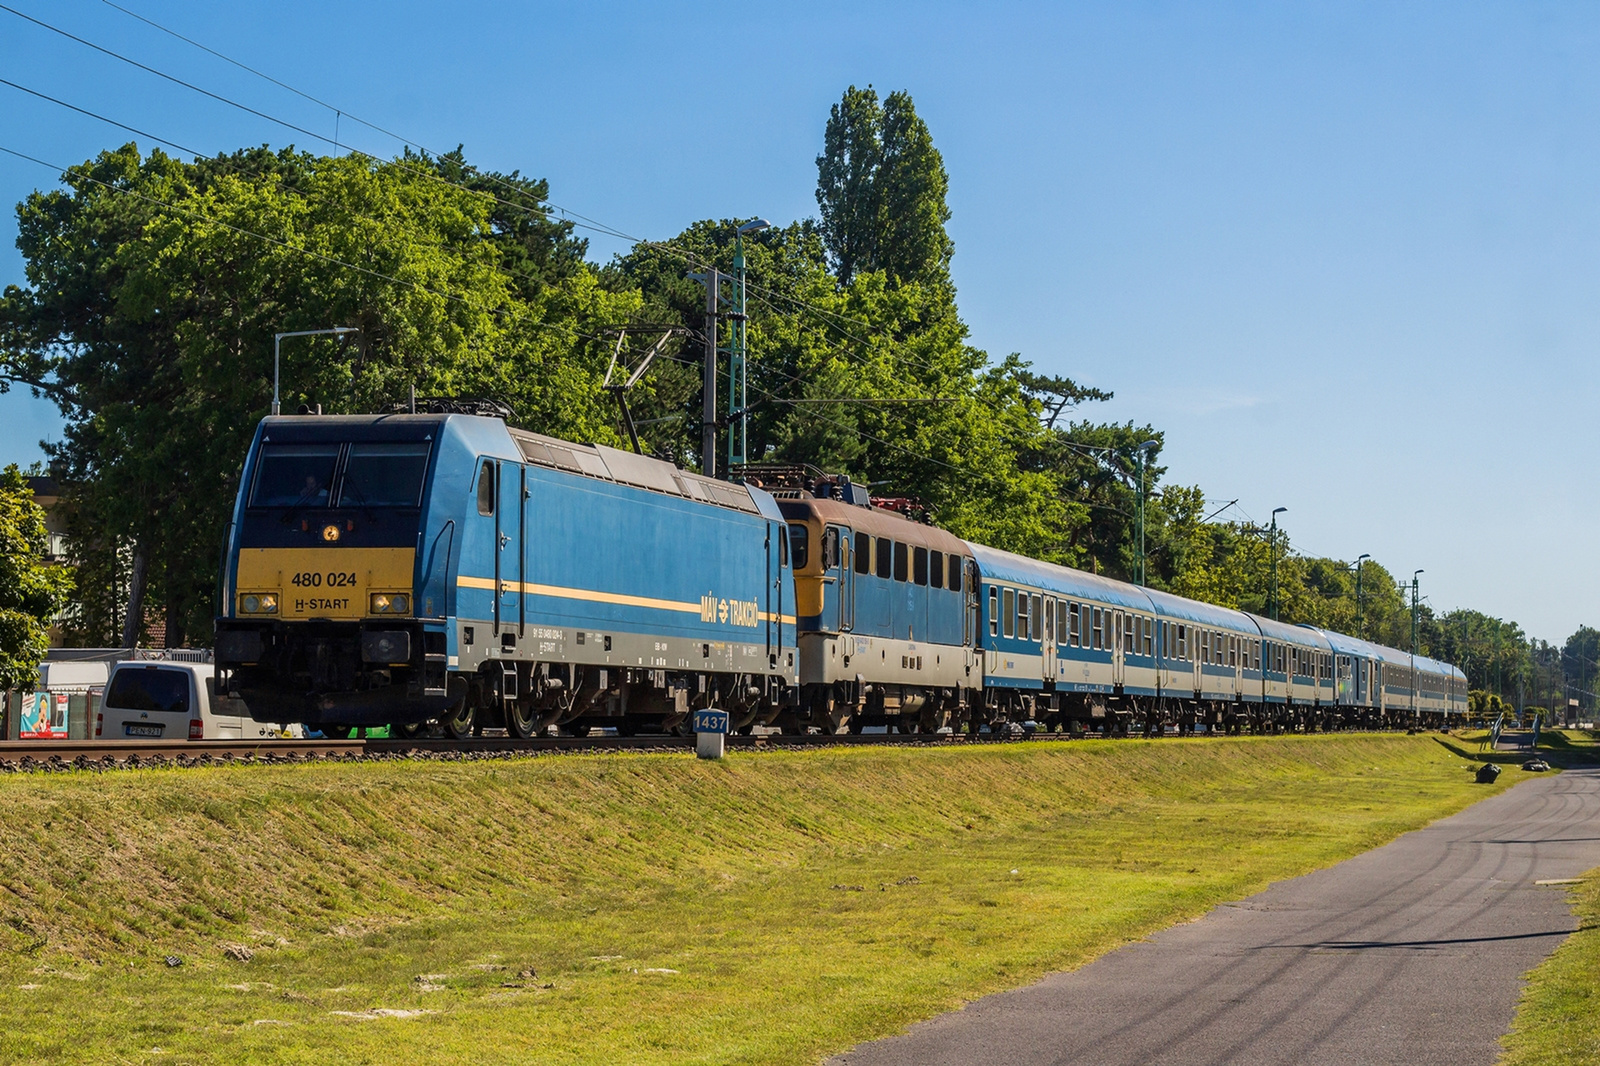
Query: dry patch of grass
[[644, 909]]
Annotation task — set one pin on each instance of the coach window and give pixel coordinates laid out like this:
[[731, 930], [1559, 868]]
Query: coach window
[[1100, 641], [1049, 620], [800, 542], [1061, 622], [1009, 612], [885, 557], [863, 553], [1036, 620], [936, 569], [1183, 642], [902, 562], [1074, 626], [994, 612], [486, 487], [1149, 637], [1022, 616], [954, 584], [919, 566]]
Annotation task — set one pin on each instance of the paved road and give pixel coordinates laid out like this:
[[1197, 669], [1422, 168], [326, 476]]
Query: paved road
[[1409, 954]]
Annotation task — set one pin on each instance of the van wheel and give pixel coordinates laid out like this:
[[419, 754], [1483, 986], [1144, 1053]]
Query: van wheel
[[458, 722], [337, 732]]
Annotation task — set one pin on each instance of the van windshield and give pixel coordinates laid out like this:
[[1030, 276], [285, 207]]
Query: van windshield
[[383, 475], [152, 688], [295, 475]]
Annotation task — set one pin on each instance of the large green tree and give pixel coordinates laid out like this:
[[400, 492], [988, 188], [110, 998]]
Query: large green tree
[[881, 191], [155, 287], [31, 590]]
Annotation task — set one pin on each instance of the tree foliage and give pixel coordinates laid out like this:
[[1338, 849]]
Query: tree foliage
[[155, 288], [31, 590], [881, 191]]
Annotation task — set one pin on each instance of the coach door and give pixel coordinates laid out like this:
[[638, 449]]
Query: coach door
[[1118, 652], [1047, 647]]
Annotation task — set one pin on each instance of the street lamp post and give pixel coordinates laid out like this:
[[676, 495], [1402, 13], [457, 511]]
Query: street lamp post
[[1414, 611], [1275, 513], [1361, 630], [277, 341], [1144, 454]]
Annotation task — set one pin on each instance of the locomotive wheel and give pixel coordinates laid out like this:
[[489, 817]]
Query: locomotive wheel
[[854, 724], [522, 721], [459, 721], [408, 731], [337, 732]]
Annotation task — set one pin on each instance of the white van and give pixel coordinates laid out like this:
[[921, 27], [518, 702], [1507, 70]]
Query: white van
[[173, 701]]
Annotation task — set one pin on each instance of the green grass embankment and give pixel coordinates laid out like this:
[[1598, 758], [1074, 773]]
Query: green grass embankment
[[640, 909]]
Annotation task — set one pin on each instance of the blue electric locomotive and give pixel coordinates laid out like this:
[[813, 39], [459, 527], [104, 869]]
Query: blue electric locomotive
[[406, 568]]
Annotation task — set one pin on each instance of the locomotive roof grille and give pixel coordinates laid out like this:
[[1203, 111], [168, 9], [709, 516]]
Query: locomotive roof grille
[[626, 468]]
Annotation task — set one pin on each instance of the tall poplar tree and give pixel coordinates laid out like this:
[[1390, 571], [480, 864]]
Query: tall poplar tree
[[881, 191]]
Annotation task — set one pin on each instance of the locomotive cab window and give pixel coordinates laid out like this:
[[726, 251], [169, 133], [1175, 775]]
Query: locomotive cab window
[[830, 548], [783, 546], [294, 475], [799, 546], [863, 553], [954, 584], [486, 487], [383, 475]]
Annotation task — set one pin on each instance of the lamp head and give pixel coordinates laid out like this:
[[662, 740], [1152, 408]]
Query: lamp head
[[1147, 445], [752, 226], [1279, 510], [1362, 556]]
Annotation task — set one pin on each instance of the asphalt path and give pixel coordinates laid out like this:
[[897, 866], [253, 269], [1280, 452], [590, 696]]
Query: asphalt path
[[1411, 953]]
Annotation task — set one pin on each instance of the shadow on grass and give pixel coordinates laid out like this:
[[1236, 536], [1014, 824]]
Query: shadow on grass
[[1560, 755]]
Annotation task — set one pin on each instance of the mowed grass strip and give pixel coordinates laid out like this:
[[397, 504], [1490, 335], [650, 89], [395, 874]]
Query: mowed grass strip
[[1558, 1018], [770, 908]]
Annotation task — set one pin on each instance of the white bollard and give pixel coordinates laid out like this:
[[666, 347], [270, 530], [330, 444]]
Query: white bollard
[[709, 745]]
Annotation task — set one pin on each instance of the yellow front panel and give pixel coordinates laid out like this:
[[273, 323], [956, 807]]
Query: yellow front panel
[[323, 582]]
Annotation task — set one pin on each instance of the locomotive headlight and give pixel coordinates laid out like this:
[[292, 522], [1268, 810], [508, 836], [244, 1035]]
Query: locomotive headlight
[[258, 603], [389, 603]]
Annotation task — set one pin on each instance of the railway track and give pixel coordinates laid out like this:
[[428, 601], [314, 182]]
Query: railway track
[[30, 755]]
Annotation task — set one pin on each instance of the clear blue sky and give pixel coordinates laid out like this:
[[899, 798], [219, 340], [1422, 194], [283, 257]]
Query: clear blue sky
[[1345, 255]]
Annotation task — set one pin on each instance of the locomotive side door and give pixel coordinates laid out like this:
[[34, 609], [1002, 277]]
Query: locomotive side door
[[508, 528], [777, 548], [840, 574]]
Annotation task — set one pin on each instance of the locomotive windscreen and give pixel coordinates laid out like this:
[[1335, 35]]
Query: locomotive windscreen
[[295, 475], [384, 475], [374, 475]]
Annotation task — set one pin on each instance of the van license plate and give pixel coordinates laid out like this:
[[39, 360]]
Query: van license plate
[[142, 730]]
